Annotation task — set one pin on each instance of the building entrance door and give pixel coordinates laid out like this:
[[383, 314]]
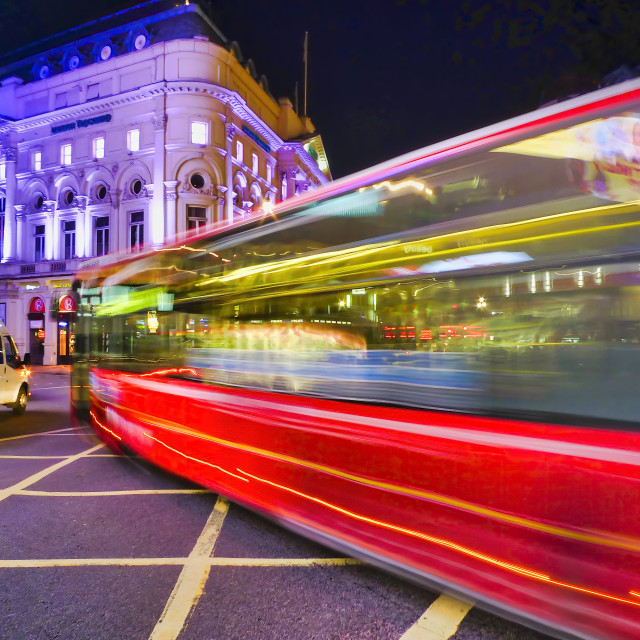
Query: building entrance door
[[66, 330], [36, 330]]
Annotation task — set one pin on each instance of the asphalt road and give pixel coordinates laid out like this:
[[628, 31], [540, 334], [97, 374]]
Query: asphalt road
[[94, 545]]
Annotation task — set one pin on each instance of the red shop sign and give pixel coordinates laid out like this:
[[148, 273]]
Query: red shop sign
[[37, 306], [67, 305]]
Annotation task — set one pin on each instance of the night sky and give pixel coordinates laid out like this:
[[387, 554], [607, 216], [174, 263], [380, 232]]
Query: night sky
[[390, 77]]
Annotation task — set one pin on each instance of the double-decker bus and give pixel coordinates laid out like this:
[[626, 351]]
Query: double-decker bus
[[431, 364]]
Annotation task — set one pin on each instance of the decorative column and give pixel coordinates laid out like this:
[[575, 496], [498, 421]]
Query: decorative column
[[170, 196], [228, 167], [52, 231], [83, 228], [157, 212], [222, 190], [18, 241], [9, 250]]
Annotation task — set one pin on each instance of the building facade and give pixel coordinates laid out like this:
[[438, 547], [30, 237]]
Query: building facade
[[126, 137]]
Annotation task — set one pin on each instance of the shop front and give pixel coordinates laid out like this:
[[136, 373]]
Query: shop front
[[66, 329], [36, 330]]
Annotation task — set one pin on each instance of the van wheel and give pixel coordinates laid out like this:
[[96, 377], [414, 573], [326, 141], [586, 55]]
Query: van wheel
[[20, 405]]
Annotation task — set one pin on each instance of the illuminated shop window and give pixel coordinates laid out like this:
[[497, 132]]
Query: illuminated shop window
[[239, 151], [532, 283], [36, 161], [547, 282], [98, 148], [254, 163], [133, 139], [199, 133], [65, 154]]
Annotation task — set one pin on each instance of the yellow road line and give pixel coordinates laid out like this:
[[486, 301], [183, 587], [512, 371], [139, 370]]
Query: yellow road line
[[192, 578], [93, 494], [203, 563], [23, 484], [440, 621]]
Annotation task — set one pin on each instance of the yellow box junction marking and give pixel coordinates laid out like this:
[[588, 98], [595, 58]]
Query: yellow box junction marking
[[440, 621]]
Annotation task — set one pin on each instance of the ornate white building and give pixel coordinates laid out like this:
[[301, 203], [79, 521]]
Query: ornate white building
[[121, 134]]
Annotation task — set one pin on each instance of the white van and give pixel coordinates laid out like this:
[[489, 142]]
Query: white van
[[14, 375]]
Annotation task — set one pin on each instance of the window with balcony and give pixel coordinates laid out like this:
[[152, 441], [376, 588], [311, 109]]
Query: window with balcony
[[133, 140], [199, 133], [98, 148], [69, 231], [65, 154], [136, 231], [102, 235], [36, 161], [196, 218], [38, 248]]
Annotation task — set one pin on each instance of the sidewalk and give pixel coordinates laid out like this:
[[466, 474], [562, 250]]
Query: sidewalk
[[55, 369]]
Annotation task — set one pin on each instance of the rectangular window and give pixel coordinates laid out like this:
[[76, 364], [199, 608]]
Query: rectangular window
[[199, 133], [69, 230], [3, 171], [36, 161], [269, 174], [102, 235], [136, 231], [254, 163], [98, 148], [38, 253], [239, 151], [133, 139], [196, 218], [65, 154]]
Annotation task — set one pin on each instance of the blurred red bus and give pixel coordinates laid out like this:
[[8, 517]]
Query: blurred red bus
[[431, 364]]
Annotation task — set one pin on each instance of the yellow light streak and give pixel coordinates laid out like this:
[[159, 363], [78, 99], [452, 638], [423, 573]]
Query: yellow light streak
[[113, 433], [530, 573], [184, 455], [599, 538]]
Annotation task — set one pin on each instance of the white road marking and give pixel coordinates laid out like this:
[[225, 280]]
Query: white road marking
[[203, 563], [47, 387], [23, 484], [440, 621], [192, 578], [32, 457], [43, 433]]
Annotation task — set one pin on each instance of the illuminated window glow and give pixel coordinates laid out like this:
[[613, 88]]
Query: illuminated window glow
[[65, 154], [3, 171], [98, 148], [239, 151], [133, 140], [36, 161], [199, 133], [254, 163]]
